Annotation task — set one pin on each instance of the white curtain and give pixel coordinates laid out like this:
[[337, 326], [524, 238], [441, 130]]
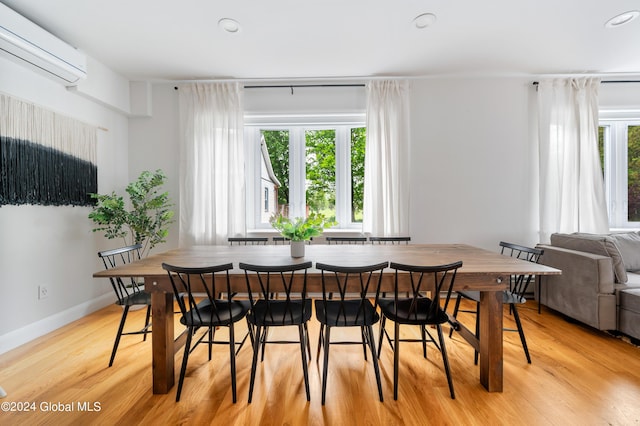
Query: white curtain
[[386, 170], [571, 184], [212, 178]]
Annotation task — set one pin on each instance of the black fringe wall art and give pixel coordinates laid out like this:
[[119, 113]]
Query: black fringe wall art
[[45, 158]]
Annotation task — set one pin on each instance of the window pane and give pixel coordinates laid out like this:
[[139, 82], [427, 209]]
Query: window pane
[[633, 176], [358, 138], [601, 137], [277, 142], [321, 172]]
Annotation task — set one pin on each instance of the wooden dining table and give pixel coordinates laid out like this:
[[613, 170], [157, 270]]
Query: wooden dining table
[[482, 270]]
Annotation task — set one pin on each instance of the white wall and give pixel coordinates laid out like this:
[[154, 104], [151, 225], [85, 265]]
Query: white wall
[[51, 245], [472, 162]]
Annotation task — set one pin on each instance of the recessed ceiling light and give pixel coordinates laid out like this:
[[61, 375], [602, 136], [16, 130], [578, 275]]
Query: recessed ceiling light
[[229, 25], [425, 20], [623, 18]]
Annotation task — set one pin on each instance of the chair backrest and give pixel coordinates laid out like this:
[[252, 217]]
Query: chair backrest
[[275, 282], [520, 283], [438, 280], [281, 240], [342, 285], [346, 240], [247, 240], [122, 286], [192, 285], [389, 240]]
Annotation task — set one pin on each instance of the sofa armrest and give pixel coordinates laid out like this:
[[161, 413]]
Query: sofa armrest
[[584, 291]]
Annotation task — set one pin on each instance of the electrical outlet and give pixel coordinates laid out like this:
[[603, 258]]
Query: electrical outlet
[[43, 292]]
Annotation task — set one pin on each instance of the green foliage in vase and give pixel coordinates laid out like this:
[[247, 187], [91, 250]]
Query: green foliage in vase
[[301, 229], [148, 220]]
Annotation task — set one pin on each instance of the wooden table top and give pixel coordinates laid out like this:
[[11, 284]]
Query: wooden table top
[[475, 260]]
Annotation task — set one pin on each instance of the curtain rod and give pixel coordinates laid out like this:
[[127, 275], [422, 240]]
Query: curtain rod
[[535, 83], [292, 86]]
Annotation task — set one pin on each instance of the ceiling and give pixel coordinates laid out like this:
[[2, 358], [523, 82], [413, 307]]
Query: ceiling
[[287, 39]]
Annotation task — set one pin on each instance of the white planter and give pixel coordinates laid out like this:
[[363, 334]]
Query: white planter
[[297, 248]]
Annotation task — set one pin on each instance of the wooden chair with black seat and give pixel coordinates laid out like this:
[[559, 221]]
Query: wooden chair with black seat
[[291, 308], [346, 240], [354, 285], [420, 310], [518, 287], [129, 291], [389, 240], [196, 291], [246, 241]]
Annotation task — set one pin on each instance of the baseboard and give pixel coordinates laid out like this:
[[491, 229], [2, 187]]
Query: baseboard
[[37, 329]]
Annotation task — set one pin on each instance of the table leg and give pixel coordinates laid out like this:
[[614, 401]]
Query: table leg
[[162, 341], [491, 373]]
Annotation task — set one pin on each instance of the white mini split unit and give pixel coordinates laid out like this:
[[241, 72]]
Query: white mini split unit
[[26, 42]]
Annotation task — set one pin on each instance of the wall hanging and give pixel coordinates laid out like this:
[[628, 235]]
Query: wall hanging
[[45, 158]]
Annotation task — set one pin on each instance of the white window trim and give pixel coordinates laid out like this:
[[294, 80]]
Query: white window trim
[[616, 165], [300, 123]]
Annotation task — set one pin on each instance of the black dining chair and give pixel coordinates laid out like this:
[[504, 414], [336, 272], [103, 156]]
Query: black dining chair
[[196, 291], [346, 240], [354, 285], [290, 308], [389, 240], [515, 295], [246, 241], [129, 291], [420, 309]]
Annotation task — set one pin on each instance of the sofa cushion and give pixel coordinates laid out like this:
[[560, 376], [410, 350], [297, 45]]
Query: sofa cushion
[[603, 245], [629, 247], [629, 299]]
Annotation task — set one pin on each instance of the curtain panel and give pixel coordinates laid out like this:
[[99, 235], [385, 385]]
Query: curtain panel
[[571, 182], [386, 173], [212, 177]]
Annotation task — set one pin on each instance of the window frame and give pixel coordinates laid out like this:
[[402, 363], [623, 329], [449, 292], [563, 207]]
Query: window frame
[[297, 126], [616, 167]]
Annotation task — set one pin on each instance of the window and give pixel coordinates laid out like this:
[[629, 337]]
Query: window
[[312, 168], [619, 143]]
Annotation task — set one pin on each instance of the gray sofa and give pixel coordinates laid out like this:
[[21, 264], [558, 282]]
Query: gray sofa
[[600, 281]]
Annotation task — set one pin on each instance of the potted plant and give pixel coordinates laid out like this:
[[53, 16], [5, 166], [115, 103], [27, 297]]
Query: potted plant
[[300, 229], [148, 220]]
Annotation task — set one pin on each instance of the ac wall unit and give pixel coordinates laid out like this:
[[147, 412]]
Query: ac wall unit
[[26, 42]]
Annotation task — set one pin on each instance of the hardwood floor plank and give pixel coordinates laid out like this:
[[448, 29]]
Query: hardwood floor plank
[[578, 376]]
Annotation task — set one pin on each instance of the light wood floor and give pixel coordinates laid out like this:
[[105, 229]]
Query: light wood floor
[[579, 376]]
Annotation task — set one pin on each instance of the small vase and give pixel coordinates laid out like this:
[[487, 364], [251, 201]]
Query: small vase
[[297, 248]]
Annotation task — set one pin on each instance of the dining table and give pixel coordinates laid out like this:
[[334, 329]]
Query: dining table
[[483, 270]]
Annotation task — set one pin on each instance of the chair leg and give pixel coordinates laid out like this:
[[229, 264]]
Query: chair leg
[[376, 368], [185, 359], [383, 320], [516, 316], [232, 359], [303, 352], [254, 363], [306, 335], [264, 341], [424, 341], [325, 367], [455, 312], [445, 360], [396, 359], [476, 354], [125, 311], [210, 343], [146, 323], [320, 341], [364, 342]]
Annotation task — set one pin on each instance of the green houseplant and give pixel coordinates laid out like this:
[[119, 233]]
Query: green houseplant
[[148, 220], [300, 229]]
